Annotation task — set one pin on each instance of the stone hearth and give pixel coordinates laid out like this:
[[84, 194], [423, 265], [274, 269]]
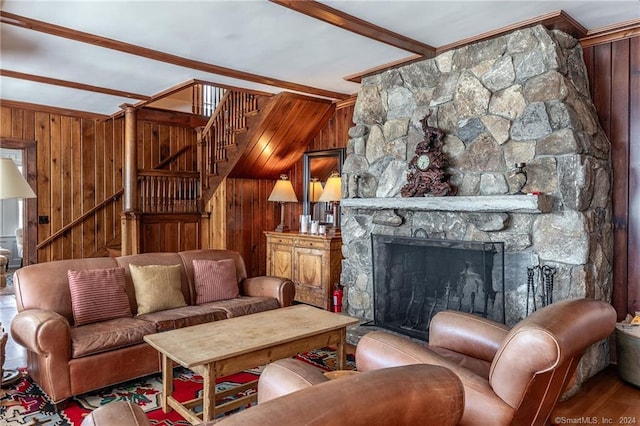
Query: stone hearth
[[518, 98]]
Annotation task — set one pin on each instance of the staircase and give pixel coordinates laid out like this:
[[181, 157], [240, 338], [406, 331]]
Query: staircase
[[227, 134]]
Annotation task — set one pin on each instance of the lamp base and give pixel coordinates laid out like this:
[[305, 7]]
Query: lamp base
[[282, 228]]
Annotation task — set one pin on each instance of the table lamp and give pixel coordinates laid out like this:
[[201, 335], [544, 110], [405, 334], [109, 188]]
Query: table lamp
[[332, 193], [283, 193], [14, 185], [315, 190]]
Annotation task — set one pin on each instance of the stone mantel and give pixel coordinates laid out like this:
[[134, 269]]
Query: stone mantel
[[481, 204]]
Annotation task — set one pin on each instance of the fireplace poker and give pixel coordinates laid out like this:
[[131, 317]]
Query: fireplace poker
[[548, 273], [531, 291]]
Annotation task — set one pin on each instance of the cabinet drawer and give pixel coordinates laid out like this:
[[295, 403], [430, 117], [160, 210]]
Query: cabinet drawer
[[319, 244], [281, 240]]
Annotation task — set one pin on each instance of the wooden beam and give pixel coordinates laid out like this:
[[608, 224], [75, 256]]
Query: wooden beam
[[611, 33], [54, 110], [108, 43], [71, 84], [558, 20], [356, 25]]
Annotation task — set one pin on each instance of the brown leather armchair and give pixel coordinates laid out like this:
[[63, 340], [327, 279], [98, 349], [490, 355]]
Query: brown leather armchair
[[406, 395], [510, 376]]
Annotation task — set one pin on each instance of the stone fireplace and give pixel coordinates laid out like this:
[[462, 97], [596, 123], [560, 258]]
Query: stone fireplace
[[519, 98]]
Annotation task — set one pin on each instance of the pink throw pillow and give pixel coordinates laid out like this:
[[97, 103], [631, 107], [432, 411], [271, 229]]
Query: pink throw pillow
[[98, 295], [215, 280]]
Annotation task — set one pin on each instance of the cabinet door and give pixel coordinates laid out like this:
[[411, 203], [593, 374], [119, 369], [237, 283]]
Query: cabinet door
[[310, 274], [280, 261]]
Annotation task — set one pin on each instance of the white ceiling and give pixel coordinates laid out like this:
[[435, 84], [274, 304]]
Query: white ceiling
[[253, 36]]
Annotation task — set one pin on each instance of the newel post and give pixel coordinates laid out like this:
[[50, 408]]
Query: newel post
[[129, 217], [204, 186]]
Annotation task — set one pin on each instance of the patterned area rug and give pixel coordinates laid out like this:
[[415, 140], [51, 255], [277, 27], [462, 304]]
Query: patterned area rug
[[26, 404]]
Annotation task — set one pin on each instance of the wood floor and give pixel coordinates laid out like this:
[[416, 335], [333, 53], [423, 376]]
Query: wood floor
[[603, 399]]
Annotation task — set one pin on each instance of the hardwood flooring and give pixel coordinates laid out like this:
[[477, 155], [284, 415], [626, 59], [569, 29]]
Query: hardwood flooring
[[603, 399]]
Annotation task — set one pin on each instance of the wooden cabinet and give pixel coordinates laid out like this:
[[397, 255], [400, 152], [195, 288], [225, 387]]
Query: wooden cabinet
[[312, 262]]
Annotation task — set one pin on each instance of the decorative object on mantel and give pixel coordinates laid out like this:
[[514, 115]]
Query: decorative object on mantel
[[520, 174], [426, 169], [283, 193]]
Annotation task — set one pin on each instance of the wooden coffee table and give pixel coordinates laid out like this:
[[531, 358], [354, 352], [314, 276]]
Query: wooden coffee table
[[229, 346]]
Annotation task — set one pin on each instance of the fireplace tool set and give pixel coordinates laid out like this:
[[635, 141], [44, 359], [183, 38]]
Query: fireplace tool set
[[545, 286]]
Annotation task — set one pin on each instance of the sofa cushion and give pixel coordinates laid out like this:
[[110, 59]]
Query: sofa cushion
[[215, 280], [98, 295], [157, 287], [184, 317], [245, 305], [108, 335]]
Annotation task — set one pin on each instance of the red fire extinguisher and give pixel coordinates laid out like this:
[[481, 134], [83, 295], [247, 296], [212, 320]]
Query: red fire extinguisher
[[338, 292]]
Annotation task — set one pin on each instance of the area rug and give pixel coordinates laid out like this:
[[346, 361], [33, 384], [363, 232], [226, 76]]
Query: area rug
[[26, 404]]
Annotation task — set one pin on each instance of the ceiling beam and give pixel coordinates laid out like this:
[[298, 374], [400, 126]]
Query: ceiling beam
[[53, 109], [108, 43], [71, 84], [348, 22], [558, 20]]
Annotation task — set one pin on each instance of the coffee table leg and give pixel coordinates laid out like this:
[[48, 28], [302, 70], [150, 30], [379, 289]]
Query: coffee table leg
[[167, 382], [209, 393], [341, 353]]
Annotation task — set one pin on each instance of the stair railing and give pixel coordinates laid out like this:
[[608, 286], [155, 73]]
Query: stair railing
[[164, 191]]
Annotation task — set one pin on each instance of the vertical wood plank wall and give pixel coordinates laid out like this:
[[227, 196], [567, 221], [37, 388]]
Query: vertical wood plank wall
[[249, 213], [79, 165], [614, 77]]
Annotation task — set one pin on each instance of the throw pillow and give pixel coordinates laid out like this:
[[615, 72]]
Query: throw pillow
[[157, 287], [215, 280], [98, 295]]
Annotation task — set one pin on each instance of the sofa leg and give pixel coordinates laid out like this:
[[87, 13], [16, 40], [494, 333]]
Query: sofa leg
[[61, 405]]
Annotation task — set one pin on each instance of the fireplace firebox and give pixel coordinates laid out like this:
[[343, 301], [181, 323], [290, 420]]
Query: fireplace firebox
[[414, 278]]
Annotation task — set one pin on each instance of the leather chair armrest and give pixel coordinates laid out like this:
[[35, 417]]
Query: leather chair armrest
[[285, 376], [467, 334], [117, 413], [411, 395], [281, 288], [43, 332], [380, 350]]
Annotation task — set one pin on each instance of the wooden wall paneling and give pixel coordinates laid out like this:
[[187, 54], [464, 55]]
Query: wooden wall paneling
[[76, 189], [88, 186], [6, 122], [66, 216], [107, 213], [634, 177], [56, 184], [619, 136], [167, 139], [306, 116], [601, 89], [42, 138], [264, 136], [100, 192]]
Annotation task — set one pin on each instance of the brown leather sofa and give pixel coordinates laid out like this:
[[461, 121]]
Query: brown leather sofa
[[407, 395], [66, 360], [510, 376]]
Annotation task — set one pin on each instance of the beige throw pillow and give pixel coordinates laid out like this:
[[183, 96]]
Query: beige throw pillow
[[157, 287]]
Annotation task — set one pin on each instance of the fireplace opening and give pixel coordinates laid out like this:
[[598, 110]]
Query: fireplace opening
[[414, 278]]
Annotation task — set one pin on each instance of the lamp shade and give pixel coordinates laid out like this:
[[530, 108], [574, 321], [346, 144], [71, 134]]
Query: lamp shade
[[315, 190], [283, 191], [332, 189], [12, 183]]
